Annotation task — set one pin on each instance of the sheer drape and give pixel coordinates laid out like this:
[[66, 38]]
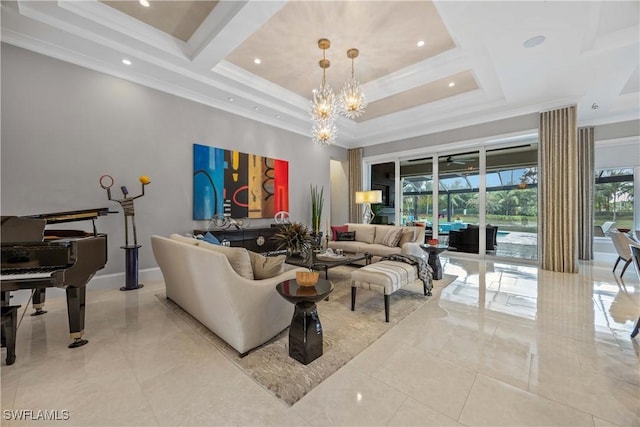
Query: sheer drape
[[558, 190], [586, 188], [355, 183]]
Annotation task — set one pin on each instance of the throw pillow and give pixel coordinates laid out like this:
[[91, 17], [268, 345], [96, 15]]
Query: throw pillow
[[336, 229], [346, 236], [210, 238], [266, 267], [407, 236], [237, 257], [392, 237]]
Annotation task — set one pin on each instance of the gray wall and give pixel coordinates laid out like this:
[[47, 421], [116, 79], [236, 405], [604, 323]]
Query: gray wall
[[63, 126], [482, 130]]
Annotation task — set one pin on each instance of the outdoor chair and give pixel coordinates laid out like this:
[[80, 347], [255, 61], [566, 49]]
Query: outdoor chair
[[623, 244], [604, 229]]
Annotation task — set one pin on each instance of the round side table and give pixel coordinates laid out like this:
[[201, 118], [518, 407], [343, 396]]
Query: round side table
[[305, 332]]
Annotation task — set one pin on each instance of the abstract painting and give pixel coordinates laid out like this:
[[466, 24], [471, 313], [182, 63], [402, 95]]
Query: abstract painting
[[238, 185]]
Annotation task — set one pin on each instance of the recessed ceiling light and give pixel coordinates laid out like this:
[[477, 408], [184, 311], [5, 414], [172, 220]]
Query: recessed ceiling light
[[256, 108], [534, 41], [126, 61], [452, 84], [230, 99], [420, 43], [277, 116], [257, 61], [145, 3]]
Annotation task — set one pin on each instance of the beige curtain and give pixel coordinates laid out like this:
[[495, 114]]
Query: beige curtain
[[558, 191], [586, 188], [355, 183]]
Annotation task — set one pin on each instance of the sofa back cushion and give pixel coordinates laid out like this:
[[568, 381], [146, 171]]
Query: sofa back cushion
[[364, 233], [184, 239], [238, 258]]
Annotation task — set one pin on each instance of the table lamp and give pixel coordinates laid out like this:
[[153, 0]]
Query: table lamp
[[366, 198]]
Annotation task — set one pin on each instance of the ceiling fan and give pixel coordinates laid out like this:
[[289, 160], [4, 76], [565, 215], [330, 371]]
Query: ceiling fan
[[457, 161]]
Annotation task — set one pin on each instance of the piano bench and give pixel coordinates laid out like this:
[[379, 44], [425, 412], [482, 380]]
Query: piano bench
[[9, 326]]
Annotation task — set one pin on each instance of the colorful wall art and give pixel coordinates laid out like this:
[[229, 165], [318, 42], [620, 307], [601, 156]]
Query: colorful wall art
[[238, 185]]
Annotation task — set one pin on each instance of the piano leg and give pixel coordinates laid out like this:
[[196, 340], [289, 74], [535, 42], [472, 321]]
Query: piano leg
[[39, 297], [75, 310]]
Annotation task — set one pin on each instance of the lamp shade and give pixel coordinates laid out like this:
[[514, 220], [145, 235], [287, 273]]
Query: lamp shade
[[374, 196]]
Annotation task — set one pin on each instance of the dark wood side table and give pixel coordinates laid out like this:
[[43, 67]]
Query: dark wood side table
[[305, 332], [434, 252]]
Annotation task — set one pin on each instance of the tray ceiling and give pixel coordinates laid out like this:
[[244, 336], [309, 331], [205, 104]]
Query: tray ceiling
[[472, 67]]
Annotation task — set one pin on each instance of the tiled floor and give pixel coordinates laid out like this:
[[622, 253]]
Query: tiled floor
[[503, 345]]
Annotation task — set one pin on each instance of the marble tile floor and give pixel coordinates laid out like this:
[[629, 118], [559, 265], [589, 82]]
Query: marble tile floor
[[504, 345]]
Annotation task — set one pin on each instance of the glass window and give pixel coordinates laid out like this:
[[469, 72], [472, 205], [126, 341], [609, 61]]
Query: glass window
[[613, 198]]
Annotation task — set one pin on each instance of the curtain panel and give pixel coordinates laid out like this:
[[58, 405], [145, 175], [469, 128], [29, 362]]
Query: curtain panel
[[586, 189], [558, 190], [355, 183]]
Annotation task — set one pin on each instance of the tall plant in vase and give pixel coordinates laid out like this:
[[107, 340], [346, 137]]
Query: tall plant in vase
[[317, 202]]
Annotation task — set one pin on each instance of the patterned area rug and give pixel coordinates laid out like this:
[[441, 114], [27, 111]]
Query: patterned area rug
[[346, 333]]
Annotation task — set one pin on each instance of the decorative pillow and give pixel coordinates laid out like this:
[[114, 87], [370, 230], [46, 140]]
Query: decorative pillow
[[210, 238], [266, 267], [346, 236], [336, 229], [392, 237], [238, 258], [407, 236]]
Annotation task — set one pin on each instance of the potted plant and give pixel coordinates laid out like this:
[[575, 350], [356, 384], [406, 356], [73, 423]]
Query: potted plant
[[317, 202], [294, 237]]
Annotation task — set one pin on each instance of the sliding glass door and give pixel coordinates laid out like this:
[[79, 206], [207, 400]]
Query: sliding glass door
[[480, 201]]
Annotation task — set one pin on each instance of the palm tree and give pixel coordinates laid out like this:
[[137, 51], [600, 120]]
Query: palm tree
[[508, 200]]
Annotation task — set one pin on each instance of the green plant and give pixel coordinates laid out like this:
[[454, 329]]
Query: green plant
[[293, 237], [317, 202]]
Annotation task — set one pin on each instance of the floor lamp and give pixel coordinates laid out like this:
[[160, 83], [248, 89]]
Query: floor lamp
[[366, 198]]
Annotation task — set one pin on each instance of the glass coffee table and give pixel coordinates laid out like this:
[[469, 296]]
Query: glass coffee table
[[319, 263]]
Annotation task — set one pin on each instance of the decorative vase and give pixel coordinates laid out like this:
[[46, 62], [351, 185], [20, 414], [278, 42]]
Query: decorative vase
[[307, 278]]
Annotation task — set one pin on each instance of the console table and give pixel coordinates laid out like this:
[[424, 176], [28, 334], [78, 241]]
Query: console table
[[253, 239]]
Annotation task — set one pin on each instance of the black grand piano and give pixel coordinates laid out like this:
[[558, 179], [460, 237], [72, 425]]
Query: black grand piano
[[36, 258]]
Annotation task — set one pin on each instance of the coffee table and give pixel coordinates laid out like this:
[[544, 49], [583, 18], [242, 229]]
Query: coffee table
[[434, 252], [323, 264], [305, 332]]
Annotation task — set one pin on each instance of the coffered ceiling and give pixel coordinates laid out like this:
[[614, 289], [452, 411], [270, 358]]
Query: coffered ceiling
[[472, 66]]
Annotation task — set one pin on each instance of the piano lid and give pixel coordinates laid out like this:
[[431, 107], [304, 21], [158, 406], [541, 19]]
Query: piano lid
[[69, 216], [16, 229]]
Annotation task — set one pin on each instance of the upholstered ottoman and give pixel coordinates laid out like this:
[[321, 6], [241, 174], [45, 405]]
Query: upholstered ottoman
[[384, 277]]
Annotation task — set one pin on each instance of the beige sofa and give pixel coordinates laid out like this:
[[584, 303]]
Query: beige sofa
[[203, 280], [372, 239]]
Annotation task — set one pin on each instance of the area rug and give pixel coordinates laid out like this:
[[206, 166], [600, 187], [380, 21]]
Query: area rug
[[345, 334]]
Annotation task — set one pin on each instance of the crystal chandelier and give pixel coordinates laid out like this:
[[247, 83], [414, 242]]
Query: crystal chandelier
[[324, 105], [352, 99], [324, 132]]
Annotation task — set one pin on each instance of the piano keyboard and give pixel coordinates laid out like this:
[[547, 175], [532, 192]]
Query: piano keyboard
[[26, 276]]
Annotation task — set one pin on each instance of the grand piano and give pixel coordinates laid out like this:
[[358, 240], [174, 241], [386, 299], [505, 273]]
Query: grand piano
[[36, 258]]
